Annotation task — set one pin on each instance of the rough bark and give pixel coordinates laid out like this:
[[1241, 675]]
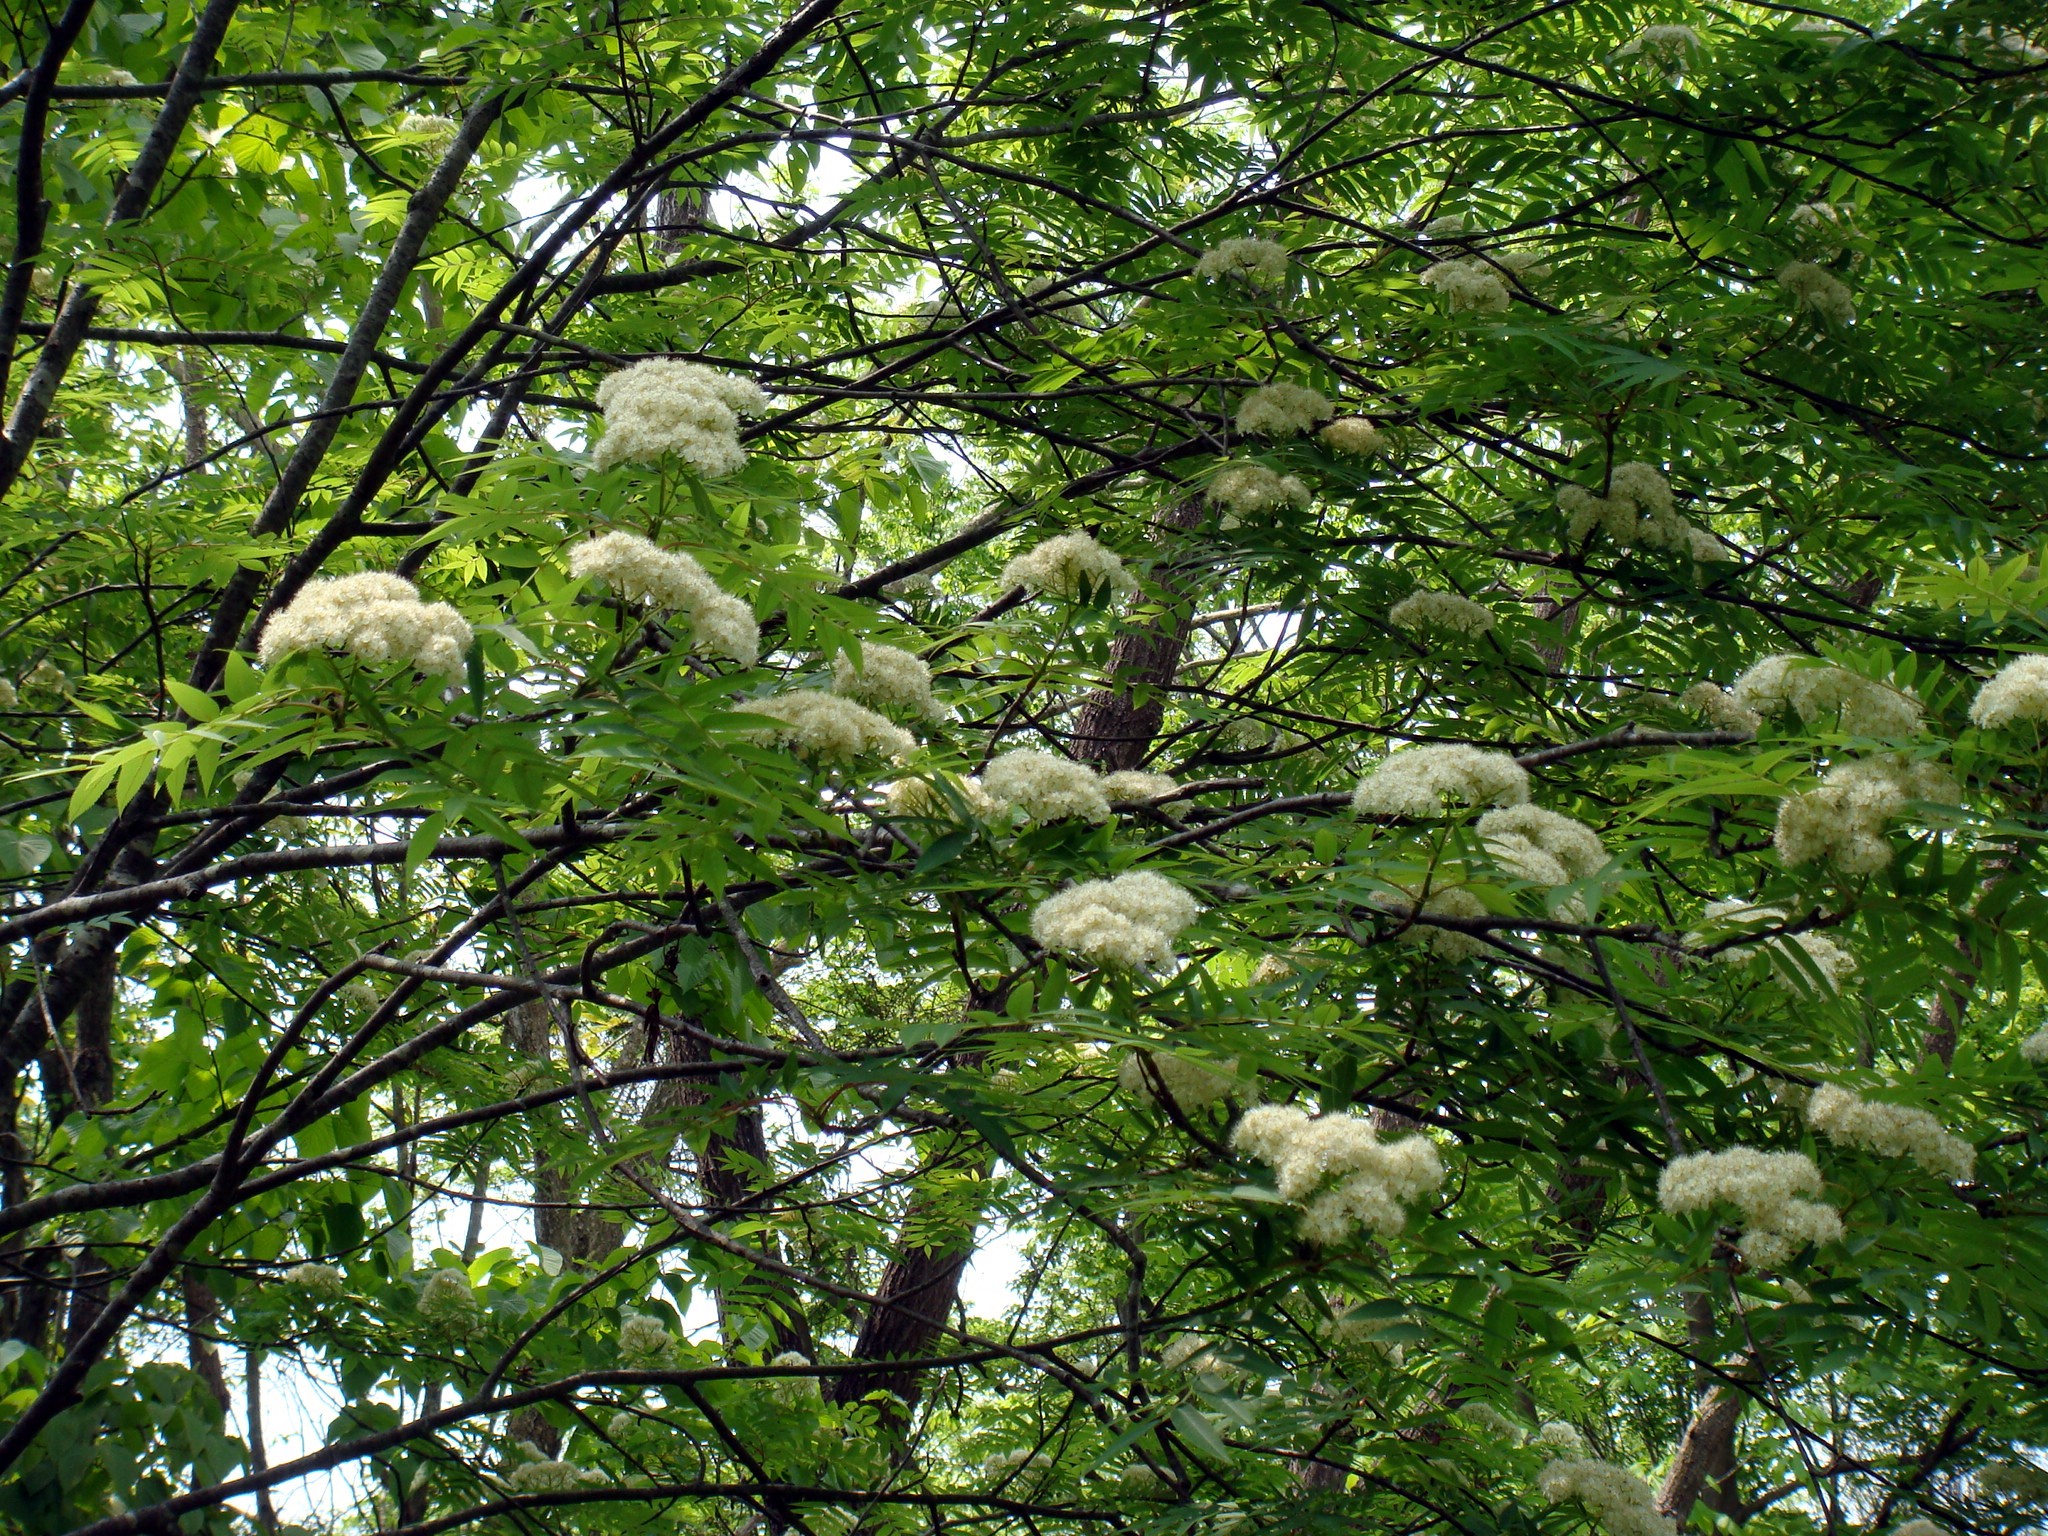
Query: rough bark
[[727, 1175], [917, 1295], [1704, 1467], [202, 1313], [561, 1220], [1117, 723]]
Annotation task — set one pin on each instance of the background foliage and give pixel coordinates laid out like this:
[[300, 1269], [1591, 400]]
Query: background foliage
[[560, 978]]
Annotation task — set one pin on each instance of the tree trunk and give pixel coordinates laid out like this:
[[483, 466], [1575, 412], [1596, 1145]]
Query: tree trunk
[[1118, 722]]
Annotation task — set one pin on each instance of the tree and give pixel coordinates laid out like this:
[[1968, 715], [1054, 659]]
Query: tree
[[1366, 681]]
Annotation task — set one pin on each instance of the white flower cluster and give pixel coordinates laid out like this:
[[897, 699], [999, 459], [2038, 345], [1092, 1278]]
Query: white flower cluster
[[446, 1300], [1189, 1084], [320, 1279], [1492, 1421], [2018, 692], [1338, 1170], [1281, 410], [1667, 45], [1637, 509], [1717, 706], [1261, 263], [1270, 970], [1620, 1503], [2034, 1048], [639, 570], [1444, 901], [550, 1477], [1844, 820], [1818, 289], [1562, 1437], [1045, 787], [1352, 435], [1768, 1188], [1128, 923], [889, 679], [1479, 284], [431, 126], [372, 616], [1246, 490], [1834, 963], [1068, 566], [643, 1341], [1440, 610], [1134, 786], [942, 799], [47, 675], [1890, 1130], [1541, 846], [8, 697], [829, 729], [1815, 689], [1416, 781], [665, 406]]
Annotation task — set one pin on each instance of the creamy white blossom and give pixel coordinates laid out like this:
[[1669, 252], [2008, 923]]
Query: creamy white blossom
[[546, 1476], [1835, 964], [643, 1340], [2018, 692], [1469, 283], [2035, 1047], [1441, 610], [1352, 435], [8, 697], [1769, 1189], [1128, 923], [373, 616], [1444, 901], [1496, 1424], [1189, 1084], [1844, 820], [47, 675], [1668, 45], [1068, 565], [1637, 509], [1817, 690], [1245, 490], [1542, 847], [1045, 787], [320, 1279], [1261, 263], [1620, 1503], [639, 570], [1889, 1130], [1562, 1437], [942, 799], [1819, 290], [1271, 969], [1338, 1170], [1717, 706], [888, 679], [829, 729], [1416, 781], [447, 1300], [1134, 786], [431, 126], [665, 406], [1281, 410]]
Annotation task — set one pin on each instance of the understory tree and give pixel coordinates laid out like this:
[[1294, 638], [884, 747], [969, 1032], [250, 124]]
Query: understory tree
[[1092, 766]]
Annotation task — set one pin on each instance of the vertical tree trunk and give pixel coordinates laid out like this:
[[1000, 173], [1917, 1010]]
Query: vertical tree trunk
[[1118, 723]]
